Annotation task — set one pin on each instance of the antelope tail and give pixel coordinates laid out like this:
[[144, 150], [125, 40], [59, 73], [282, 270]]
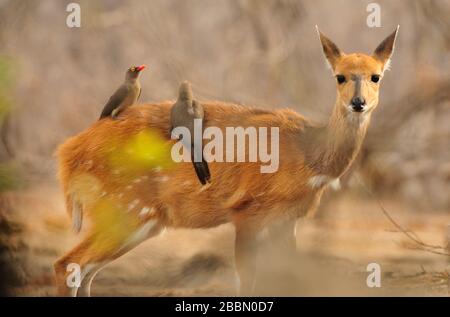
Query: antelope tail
[[75, 209]]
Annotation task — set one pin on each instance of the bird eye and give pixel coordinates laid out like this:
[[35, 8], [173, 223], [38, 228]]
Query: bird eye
[[340, 79], [375, 78]]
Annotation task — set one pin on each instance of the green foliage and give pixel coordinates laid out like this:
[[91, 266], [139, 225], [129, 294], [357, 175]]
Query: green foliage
[[9, 173], [9, 177], [6, 72], [6, 84]]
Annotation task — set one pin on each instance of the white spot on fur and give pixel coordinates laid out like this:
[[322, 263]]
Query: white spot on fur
[[186, 183], [144, 210], [158, 169], [129, 187], [318, 181], [133, 204], [164, 179], [147, 211], [137, 180], [335, 184], [323, 180]]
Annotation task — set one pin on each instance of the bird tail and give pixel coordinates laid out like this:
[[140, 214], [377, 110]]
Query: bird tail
[[185, 92], [202, 170]]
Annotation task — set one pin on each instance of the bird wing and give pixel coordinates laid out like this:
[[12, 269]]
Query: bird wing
[[182, 114], [115, 101]]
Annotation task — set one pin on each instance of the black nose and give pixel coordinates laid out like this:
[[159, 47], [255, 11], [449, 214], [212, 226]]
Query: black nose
[[358, 104]]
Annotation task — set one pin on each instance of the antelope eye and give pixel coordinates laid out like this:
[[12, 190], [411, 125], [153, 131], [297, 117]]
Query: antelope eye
[[340, 79], [375, 78]]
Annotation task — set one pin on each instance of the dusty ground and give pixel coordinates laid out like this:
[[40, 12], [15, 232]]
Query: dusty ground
[[333, 252]]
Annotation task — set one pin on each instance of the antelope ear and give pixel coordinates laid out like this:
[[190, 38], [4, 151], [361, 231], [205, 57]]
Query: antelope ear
[[330, 50], [384, 51]]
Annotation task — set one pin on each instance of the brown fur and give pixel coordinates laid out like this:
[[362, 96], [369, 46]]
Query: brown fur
[[209, 207], [239, 192]]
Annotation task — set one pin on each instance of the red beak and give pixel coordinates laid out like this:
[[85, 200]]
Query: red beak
[[139, 68]]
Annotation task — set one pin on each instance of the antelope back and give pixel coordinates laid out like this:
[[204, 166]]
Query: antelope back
[[125, 165]]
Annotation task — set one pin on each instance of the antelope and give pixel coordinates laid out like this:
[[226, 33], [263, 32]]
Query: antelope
[[128, 200]]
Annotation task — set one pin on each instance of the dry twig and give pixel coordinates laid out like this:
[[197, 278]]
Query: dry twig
[[408, 233]]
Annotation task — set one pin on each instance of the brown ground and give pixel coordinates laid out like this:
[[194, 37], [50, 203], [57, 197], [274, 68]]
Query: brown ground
[[333, 252]]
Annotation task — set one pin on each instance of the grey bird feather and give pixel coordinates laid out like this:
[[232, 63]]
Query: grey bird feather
[[183, 113], [126, 95]]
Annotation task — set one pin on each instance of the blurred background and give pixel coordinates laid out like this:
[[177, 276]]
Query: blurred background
[[54, 81]]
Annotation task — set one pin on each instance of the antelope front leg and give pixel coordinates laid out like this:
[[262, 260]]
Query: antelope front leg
[[246, 252], [282, 237]]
